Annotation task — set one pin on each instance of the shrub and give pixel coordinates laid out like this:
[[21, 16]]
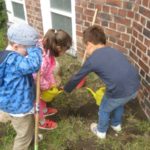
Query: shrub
[[3, 14]]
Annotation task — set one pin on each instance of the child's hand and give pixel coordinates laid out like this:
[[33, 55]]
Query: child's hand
[[61, 88]]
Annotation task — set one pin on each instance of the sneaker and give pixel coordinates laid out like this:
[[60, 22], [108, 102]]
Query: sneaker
[[48, 125], [40, 137], [101, 135], [117, 128], [50, 112]]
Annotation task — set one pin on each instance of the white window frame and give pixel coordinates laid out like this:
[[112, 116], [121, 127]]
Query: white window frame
[[10, 12], [46, 11]]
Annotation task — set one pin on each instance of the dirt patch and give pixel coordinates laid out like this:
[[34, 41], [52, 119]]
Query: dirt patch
[[134, 108], [88, 112], [87, 144]]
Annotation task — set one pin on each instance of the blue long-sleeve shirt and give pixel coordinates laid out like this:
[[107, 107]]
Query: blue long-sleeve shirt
[[120, 76]]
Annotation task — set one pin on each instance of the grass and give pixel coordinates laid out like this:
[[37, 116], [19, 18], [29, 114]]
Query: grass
[[77, 111], [3, 40]]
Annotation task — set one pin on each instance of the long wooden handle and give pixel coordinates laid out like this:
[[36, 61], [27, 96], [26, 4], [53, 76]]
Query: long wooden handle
[[37, 111], [94, 17], [85, 52]]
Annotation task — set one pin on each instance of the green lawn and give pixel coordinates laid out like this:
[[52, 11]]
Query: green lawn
[[76, 112]]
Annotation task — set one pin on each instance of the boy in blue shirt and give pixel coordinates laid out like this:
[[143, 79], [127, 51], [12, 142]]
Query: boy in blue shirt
[[120, 77], [18, 61]]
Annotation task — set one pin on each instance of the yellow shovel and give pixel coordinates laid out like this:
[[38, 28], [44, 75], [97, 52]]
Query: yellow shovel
[[98, 95]]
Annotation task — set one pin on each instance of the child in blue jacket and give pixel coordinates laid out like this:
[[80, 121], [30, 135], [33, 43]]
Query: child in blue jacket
[[18, 61], [120, 77]]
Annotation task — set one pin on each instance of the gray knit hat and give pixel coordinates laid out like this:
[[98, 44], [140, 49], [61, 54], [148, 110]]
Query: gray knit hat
[[22, 34]]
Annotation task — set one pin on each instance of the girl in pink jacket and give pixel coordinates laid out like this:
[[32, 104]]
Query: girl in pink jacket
[[55, 43]]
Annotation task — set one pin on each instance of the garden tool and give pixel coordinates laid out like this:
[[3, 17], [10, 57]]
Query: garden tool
[[37, 111], [98, 95], [82, 82], [49, 95]]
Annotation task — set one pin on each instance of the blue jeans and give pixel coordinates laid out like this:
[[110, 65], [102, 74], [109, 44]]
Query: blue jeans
[[114, 108]]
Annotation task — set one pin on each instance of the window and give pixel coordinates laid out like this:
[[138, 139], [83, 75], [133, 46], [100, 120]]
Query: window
[[60, 14], [16, 10]]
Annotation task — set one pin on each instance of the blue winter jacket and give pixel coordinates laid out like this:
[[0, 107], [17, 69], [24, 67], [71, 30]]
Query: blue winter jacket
[[17, 88]]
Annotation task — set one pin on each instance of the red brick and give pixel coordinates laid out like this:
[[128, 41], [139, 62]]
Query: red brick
[[87, 24], [129, 30], [127, 5], [147, 42], [78, 16], [89, 18], [115, 3], [135, 34], [148, 78], [106, 9], [105, 23], [91, 5], [99, 7], [132, 40], [134, 49], [112, 39], [144, 66], [144, 11], [89, 12], [141, 46], [140, 37], [79, 28], [112, 25], [133, 56], [77, 2], [78, 21], [113, 33], [148, 53], [122, 20], [128, 45], [79, 33], [142, 73], [137, 17], [122, 12], [105, 16], [146, 33], [98, 2], [148, 24], [114, 10], [137, 26], [145, 58], [125, 37], [120, 42], [121, 28], [130, 14], [79, 9], [145, 3], [139, 53], [84, 4]]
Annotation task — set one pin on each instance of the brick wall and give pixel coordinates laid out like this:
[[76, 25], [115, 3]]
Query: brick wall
[[127, 26], [34, 16]]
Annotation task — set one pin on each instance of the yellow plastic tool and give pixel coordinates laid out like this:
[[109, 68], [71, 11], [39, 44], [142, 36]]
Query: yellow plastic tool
[[98, 95], [49, 95]]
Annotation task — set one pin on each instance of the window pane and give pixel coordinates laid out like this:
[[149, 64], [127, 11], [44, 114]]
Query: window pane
[[61, 4], [18, 10], [61, 22]]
